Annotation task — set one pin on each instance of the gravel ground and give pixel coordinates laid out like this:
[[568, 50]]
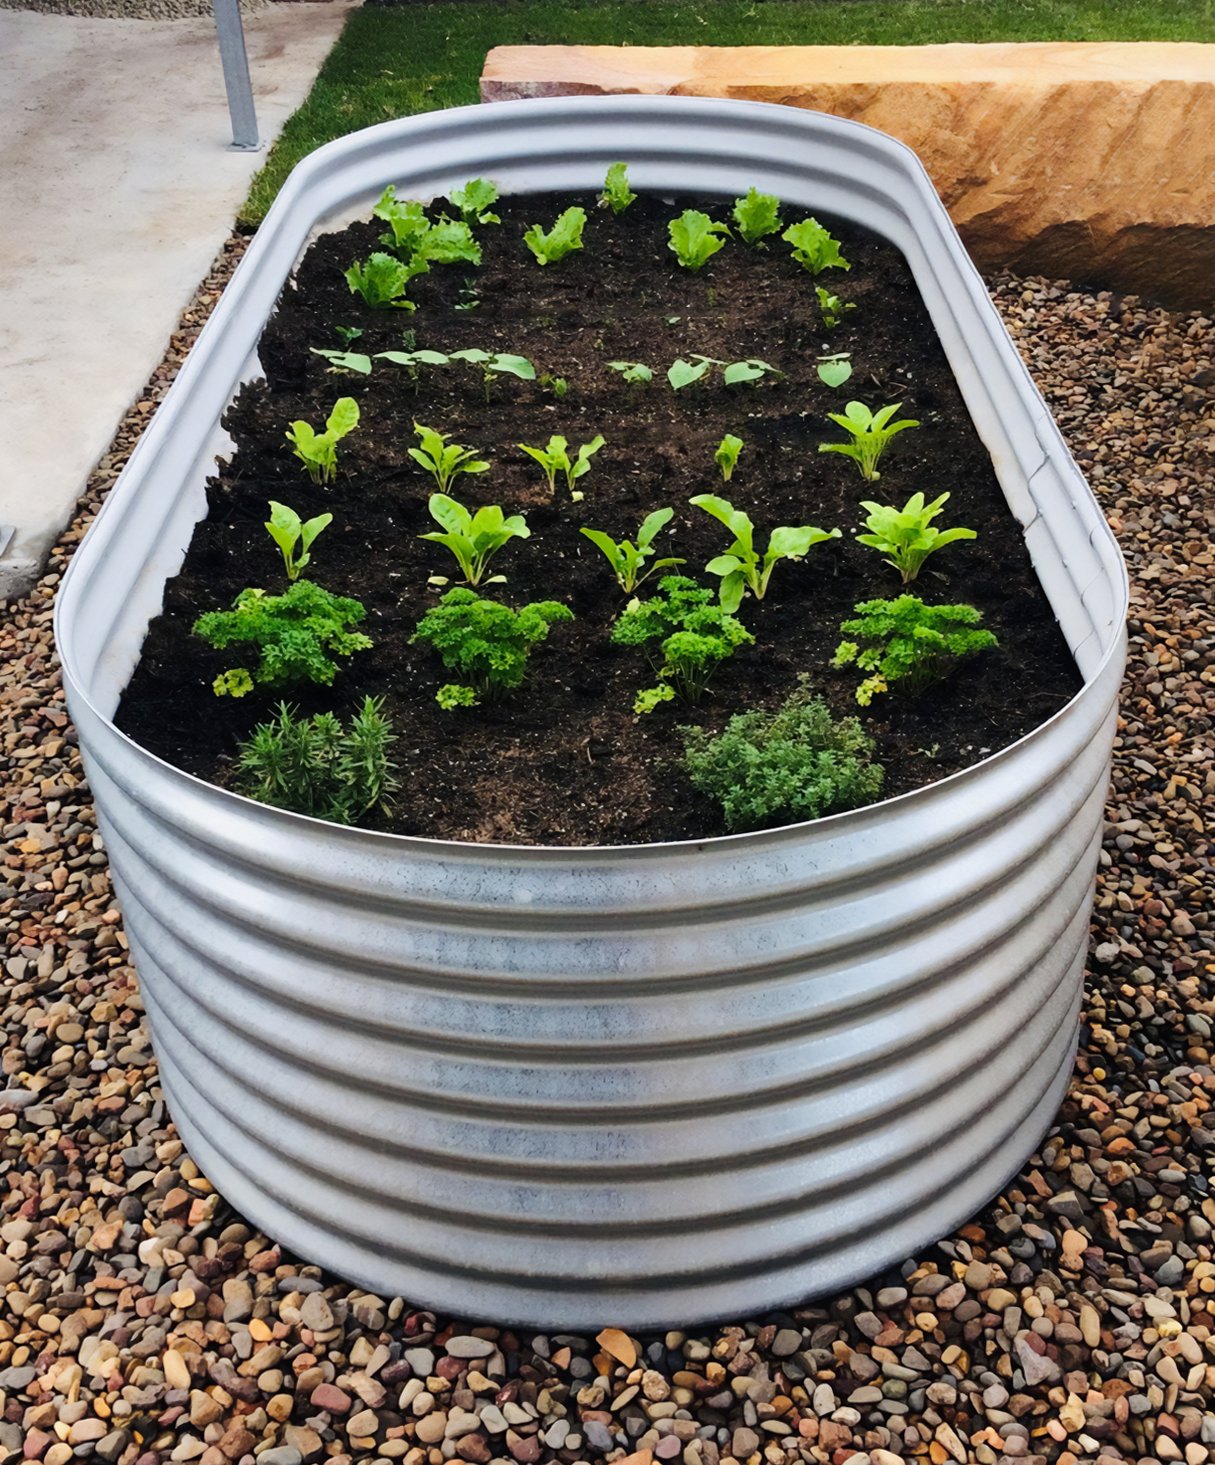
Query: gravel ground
[[1073, 1320]]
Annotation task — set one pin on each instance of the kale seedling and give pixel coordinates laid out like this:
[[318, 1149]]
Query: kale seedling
[[296, 636], [627, 559], [339, 361], [444, 460], [563, 238], [555, 459], [694, 238], [474, 539], [317, 766], [381, 280], [834, 371], [484, 643], [636, 373], [813, 247], [907, 642], [474, 201], [871, 434], [757, 215], [694, 637], [831, 308], [293, 536], [779, 767], [317, 451], [906, 536], [742, 567], [616, 194]]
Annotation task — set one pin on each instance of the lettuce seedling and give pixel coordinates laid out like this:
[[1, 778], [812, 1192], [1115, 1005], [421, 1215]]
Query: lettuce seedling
[[726, 456], [563, 238], [695, 636], [871, 434], [906, 536], [407, 222], [636, 373], [381, 280], [683, 373], [474, 539], [448, 242], [296, 636], [906, 642], [694, 238], [294, 536], [484, 643], [616, 194], [831, 308], [627, 559], [339, 361], [736, 373], [317, 766], [555, 459], [757, 215], [493, 364], [742, 567], [834, 371], [444, 460], [474, 201], [317, 451], [814, 248], [796, 762]]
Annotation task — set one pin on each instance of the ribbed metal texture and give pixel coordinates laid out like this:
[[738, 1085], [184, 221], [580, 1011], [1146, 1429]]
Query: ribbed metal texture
[[649, 1085]]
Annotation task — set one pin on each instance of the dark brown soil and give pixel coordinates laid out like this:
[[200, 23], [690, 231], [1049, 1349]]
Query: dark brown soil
[[565, 761]]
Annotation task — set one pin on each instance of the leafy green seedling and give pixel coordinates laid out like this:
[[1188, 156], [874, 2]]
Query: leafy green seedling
[[485, 643], [695, 636], [563, 238], [742, 567], [636, 373], [871, 433], [906, 536], [348, 335], [757, 215], [683, 373], [555, 459], [474, 539], [493, 364], [339, 361], [317, 451], [448, 242], [381, 280], [442, 459], [406, 220], [555, 384], [726, 456], [694, 238], [412, 360], [294, 536], [616, 194], [627, 559], [831, 308], [474, 201], [834, 371], [907, 642], [814, 248], [738, 373]]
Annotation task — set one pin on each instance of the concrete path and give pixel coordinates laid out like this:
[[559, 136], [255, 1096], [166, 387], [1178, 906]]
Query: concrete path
[[117, 188]]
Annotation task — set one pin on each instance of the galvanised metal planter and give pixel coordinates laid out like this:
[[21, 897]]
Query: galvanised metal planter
[[652, 1084]]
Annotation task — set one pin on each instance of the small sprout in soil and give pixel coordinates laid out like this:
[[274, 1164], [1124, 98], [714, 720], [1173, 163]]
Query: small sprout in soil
[[444, 460], [294, 536], [469, 296], [493, 364], [555, 384], [726, 456], [563, 238], [906, 536], [906, 642], [616, 194], [627, 559], [474, 201], [381, 280], [757, 215], [683, 373], [742, 567], [348, 335], [636, 373], [484, 643], [695, 636], [813, 247], [317, 766], [871, 433], [738, 373], [296, 636], [317, 451], [795, 762], [694, 238], [340, 361], [831, 308], [555, 459], [834, 371], [412, 360], [474, 539]]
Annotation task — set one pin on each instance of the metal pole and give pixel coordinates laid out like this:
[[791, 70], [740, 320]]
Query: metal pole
[[236, 73]]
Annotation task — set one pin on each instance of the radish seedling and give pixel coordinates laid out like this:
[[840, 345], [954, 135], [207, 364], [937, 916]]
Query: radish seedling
[[726, 456], [381, 280], [485, 643], [814, 248], [738, 373], [616, 194], [834, 371], [493, 364], [555, 459], [636, 373], [742, 567], [694, 238], [474, 201], [294, 536], [317, 451], [444, 460], [563, 238], [474, 539], [871, 434], [626, 558], [831, 308], [757, 215], [906, 536], [683, 373], [339, 361]]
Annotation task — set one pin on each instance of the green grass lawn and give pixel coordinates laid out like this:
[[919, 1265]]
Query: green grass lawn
[[391, 62]]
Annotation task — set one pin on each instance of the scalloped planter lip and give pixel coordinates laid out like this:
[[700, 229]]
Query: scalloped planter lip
[[652, 1084]]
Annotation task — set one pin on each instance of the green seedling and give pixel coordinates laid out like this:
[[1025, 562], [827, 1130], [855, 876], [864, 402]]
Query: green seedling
[[834, 371], [906, 536], [726, 456], [555, 459], [406, 220], [413, 360], [348, 335], [381, 280], [616, 194], [449, 242], [757, 215], [317, 451], [742, 567], [694, 637], [420, 241], [871, 434], [683, 373], [627, 559], [636, 373], [906, 643], [442, 459], [474, 539], [493, 364], [563, 238], [345, 361], [484, 643], [831, 308], [740, 373], [294, 536], [694, 238], [814, 248], [474, 201], [555, 384]]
